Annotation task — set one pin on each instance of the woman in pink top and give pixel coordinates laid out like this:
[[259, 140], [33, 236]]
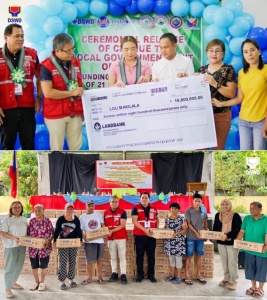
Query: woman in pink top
[[130, 69], [40, 227]]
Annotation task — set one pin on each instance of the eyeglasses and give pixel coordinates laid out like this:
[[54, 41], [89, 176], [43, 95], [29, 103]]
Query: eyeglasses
[[68, 51], [214, 51], [16, 207], [114, 202], [17, 36]]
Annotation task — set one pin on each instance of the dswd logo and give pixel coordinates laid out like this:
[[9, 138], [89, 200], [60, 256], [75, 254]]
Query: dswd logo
[[14, 14], [253, 165]]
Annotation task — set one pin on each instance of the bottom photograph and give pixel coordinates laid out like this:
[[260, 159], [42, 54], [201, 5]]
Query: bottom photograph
[[110, 225]]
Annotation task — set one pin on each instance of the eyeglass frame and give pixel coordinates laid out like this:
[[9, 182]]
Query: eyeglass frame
[[72, 50], [214, 51]]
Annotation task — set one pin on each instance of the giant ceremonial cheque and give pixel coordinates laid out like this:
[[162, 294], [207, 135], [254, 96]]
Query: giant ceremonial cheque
[[170, 115]]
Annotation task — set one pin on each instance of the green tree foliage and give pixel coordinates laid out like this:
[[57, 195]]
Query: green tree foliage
[[27, 172], [232, 175]]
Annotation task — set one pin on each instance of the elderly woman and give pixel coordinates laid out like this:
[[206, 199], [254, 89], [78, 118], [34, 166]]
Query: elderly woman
[[13, 227], [222, 80], [67, 227], [130, 69], [254, 229], [40, 227], [228, 222]]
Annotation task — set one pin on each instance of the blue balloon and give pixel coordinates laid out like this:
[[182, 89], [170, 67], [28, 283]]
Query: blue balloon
[[210, 2], [65, 145], [236, 62], [39, 118], [234, 121], [17, 144], [227, 54], [260, 35], [49, 43], [234, 110], [162, 7], [44, 54], [209, 12], [68, 12], [223, 17], [180, 8], [145, 6], [82, 7], [41, 140], [214, 32], [52, 7], [231, 141], [53, 25], [35, 34], [250, 19], [235, 45], [236, 7], [98, 9], [123, 2], [132, 8], [34, 15], [196, 9], [264, 55], [239, 27], [38, 46]]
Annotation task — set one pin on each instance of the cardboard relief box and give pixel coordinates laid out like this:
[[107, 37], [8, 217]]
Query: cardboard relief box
[[159, 233], [33, 242], [97, 233], [68, 243], [245, 245], [211, 235]]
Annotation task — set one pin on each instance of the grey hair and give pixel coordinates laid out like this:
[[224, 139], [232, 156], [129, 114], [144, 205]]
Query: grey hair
[[60, 40], [39, 205]]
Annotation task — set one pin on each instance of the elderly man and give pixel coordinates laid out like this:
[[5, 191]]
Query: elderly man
[[145, 217], [61, 82], [94, 250], [115, 219], [17, 103], [172, 64]]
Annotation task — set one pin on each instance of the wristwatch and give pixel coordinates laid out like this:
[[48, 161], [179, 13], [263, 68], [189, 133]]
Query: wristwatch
[[218, 86]]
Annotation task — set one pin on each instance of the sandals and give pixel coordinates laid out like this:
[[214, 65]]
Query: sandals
[[258, 293], [34, 286], [250, 291], [86, 281], [223, 282], [188, 281], [100, 280], [202, 280], [63, 286], [73, 284], [177, 281], [170, 278], [9, 294], [16, 286]]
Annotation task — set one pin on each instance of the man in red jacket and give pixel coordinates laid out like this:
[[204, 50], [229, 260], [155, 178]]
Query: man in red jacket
[[18, 66], [115, 219], [61, 83], [145, 217]]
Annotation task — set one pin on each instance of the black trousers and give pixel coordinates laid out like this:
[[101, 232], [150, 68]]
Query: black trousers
[[144, 244], [21, 121]]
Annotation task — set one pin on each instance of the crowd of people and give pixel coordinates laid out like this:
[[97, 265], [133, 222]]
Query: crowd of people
[[59, 82], [186, 240]]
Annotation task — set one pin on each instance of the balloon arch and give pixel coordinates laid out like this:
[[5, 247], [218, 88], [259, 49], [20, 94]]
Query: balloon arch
[[227, 22]]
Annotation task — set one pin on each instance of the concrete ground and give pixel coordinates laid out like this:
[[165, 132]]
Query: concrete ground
[[132, 291]]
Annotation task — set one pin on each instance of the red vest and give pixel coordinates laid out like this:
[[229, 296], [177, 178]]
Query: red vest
[[152, 219], [60, 108], [112, 220], [7, 87]]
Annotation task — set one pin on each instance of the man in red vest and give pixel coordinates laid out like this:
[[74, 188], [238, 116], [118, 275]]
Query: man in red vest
[[61, 82], [17, 103], [115, 219], [145, 217]]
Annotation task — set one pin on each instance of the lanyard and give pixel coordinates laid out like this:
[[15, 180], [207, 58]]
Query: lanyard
[[123, 73]]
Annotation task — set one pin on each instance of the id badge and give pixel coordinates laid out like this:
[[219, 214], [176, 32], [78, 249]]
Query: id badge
[[147, 224], [18, 89]]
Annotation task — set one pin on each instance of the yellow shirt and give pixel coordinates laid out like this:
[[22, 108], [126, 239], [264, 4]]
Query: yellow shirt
[[253, 84]]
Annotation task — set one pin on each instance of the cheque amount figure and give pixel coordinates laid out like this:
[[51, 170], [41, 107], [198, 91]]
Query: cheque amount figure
[[130, 69]]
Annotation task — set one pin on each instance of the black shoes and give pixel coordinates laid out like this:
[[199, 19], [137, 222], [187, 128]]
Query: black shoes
[[152, 278], [139, 278], [123, 279], [113, 277]]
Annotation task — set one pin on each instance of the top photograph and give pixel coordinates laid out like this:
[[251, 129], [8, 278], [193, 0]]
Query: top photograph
[[133, 75]]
